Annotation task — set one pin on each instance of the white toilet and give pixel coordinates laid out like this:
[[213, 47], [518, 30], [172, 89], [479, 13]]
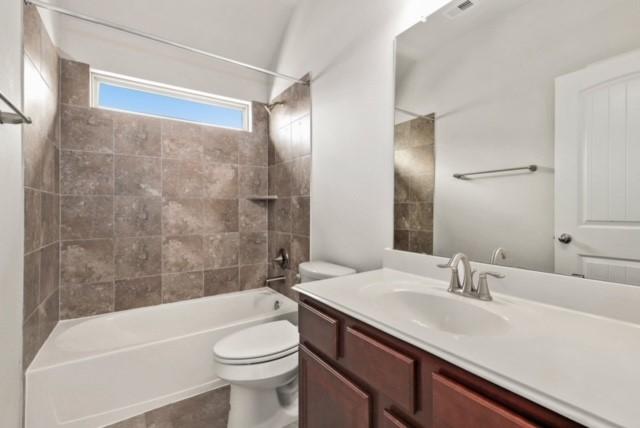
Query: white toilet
[[261, 364]]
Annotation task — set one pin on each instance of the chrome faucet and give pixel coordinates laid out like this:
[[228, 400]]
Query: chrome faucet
[[498, 252], [454, 283], [467, 288]]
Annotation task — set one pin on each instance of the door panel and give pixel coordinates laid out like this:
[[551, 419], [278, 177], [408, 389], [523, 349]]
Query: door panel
[[598, 170]]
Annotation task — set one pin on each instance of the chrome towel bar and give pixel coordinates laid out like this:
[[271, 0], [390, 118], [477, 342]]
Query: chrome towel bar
[[15, 118], [532, 168]]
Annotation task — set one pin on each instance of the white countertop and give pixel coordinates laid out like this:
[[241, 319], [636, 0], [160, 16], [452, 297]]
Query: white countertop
[[583, 366]]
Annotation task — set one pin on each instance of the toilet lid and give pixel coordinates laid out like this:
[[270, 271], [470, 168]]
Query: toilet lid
[[260, 343]]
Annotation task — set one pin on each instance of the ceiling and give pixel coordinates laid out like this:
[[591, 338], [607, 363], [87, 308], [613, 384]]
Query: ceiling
[[417, 42], [245, 30]]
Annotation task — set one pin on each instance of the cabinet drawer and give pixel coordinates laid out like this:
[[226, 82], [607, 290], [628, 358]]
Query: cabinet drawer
[[386, 369], [455, 406], [318, 329], [329, 399], [389, 420]]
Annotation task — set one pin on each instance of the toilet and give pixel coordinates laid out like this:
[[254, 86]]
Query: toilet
[[261, 365]]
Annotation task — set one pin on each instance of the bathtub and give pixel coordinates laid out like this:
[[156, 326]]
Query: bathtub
[[100, 370]]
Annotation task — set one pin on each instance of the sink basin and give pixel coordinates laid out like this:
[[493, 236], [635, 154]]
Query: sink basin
[[452, 314]]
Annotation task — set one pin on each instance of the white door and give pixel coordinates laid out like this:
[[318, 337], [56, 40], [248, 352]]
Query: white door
[[597, 171]]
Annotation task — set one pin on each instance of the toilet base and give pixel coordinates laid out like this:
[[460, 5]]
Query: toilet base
[[264, 408]]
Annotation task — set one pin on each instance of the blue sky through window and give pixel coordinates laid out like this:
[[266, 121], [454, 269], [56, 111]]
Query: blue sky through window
[[139, 101]]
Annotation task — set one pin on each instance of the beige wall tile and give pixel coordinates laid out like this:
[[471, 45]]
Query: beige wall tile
[[74, 83], [280, 215], [182, 286], [253, 152], [253, 248], [83, 173], [50, 218], [88, 261], [182, 178], [301, 177], [138, 176], [49, 67], [135, 257], [299, 250], [86, 129], [253, 215], [82, 300], [301, 137], [136, 216], [182, 254], [220, 180], [300, 214], [49, 271], [253, 181], [138, 292], [137, 135], [31, 283], [32, 220], [221, 250], [31, 31], [30, 340], [220, 215], [221, 145], [182, 216], [281, 179], [182, 140], [253, 276], [86, 217], [221, 281]]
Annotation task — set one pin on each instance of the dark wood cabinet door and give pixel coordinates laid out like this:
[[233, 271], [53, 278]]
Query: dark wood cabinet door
[[390, 420], [318, 329], [455, 406], [388, 370], [328, 399]]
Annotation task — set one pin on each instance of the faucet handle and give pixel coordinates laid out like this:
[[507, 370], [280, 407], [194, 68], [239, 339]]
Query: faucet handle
[[454, 282], [494, 274], [482, 292]]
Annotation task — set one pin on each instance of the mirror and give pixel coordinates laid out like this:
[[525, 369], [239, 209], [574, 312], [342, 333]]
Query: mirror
[[517, 135]]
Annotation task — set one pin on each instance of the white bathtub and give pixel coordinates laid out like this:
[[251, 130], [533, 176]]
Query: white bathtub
[[100, 370]]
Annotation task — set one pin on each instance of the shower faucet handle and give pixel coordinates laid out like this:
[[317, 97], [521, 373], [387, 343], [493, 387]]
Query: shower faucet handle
[[282, 259]]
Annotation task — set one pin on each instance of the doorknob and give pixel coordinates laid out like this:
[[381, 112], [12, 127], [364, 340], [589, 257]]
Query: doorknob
[[565, 238]]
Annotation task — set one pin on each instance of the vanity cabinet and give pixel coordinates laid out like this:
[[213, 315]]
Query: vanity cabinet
[[355, 376]]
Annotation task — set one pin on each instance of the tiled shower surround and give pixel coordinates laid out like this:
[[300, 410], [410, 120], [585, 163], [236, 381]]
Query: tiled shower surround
[[289, 179], [125, 211], [414, 185], [156, 211], [41, 144]]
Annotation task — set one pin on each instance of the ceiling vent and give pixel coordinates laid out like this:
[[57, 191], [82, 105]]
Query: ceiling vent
[[460, 7]]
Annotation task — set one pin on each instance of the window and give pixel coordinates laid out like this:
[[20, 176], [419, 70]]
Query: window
[[115, 92]]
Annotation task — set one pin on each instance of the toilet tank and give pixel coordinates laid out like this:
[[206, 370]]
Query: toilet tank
[[313, 271]]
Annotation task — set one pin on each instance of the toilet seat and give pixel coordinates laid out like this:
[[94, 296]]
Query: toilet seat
[[259, 344], [269, 374]]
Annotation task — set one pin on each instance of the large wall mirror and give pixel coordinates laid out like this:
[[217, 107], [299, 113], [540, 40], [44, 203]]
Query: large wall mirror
[[517, 135]]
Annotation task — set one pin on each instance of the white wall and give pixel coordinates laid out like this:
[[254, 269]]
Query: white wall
[[11, 220], [245, 30], [348, 48], [493, 91]]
